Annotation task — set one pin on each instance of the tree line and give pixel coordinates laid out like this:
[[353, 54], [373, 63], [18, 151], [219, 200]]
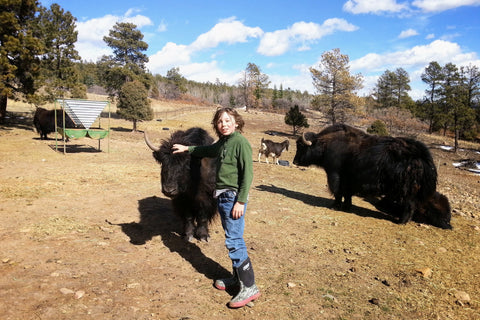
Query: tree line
[[39, 63]]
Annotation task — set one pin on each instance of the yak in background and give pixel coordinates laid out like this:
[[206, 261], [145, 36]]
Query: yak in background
[[44, 121], [189, 181], [398, 171]]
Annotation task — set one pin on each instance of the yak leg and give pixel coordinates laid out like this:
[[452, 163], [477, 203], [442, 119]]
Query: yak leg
[[407, 212], [347, 202], [334, 186], [201, 232], [183, 209], [206, 209], [189, 227], [347, 195]]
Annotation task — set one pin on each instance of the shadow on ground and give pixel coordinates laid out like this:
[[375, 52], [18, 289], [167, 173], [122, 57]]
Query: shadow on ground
[[321, 202], [157, 219]]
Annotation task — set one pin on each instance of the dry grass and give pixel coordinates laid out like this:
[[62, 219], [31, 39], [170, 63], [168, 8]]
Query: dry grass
[[96, 223]]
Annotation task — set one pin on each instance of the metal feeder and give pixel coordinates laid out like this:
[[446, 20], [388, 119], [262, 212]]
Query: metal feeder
[[83, 113]]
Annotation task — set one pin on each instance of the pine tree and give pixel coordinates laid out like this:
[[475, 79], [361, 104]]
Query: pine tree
[[127, 62], [335, 85], [20, 48], [384, 95], [58, 63], [392, 89], [133, 103], [296, 119], [253, 84], [432, 76]]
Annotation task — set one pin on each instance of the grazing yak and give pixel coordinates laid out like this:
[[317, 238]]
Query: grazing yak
[[399, 171], [44, 121], [272, 149], [189, 181]]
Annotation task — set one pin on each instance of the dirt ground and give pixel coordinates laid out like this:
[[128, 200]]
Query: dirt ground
[[89, 235]]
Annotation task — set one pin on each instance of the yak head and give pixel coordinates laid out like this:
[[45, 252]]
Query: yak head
[[305, 144], [436, 211], [180, 173], [175, 169]]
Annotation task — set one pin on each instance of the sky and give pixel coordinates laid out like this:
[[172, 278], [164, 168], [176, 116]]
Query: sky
[[215, 40]]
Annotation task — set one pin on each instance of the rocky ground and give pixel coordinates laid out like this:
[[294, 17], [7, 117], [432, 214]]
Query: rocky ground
[[88, 235]]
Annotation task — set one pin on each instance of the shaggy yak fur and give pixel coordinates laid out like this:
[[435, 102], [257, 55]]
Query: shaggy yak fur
[[189, 181], [398, 171], [44, 121]]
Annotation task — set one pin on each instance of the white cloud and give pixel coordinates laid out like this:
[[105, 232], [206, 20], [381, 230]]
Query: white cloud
[[407, 33], [139, 20], [430, 36], [442, 5], [94, 30], [450, 36], [280, 41], [171, 55], [208, 72], [438, 50], [90, 44], [413, 60], [373, 6], [162, 27], [297, 82], [229, 31]]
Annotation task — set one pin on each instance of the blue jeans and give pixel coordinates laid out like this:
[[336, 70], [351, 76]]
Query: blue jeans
[[237, 249]]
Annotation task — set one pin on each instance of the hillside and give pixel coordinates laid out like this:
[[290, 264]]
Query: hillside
[[89, 235]]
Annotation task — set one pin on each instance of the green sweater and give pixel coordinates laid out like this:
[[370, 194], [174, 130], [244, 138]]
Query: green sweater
[[234, 163]]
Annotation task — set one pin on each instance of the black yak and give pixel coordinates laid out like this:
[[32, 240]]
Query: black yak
[[272, 149], [189, 181], [44, 121], [399, 171]]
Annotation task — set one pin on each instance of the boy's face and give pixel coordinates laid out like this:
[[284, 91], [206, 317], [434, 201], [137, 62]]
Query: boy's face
[[226, 124]]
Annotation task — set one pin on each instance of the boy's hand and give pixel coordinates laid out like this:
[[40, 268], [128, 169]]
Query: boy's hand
[[178, 148], [238, 210]]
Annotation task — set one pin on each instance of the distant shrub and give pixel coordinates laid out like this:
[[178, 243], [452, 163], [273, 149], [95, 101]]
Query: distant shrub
[[378, 128]]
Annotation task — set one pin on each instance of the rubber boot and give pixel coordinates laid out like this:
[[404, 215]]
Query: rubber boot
[[248, 290], [227, 283]]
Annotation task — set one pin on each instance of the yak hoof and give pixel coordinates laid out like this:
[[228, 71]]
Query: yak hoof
[[205, 239], [336, 206]]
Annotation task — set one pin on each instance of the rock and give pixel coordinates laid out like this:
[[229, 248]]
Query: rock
[[79, 294], [441, 250], [133, 285], [462, 297], [291, 285], [425, 272], [66, 291], [329, 297]]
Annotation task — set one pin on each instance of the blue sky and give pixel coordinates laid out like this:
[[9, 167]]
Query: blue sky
[[210, 40]]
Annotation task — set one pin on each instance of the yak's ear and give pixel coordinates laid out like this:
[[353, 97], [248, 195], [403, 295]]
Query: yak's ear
[[158, 156]]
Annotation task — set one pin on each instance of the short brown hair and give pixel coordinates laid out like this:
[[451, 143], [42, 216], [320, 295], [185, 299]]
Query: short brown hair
[[233, 113]]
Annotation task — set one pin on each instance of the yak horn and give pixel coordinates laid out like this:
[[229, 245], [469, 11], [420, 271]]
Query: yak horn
[[305, 141], [149, 144]]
